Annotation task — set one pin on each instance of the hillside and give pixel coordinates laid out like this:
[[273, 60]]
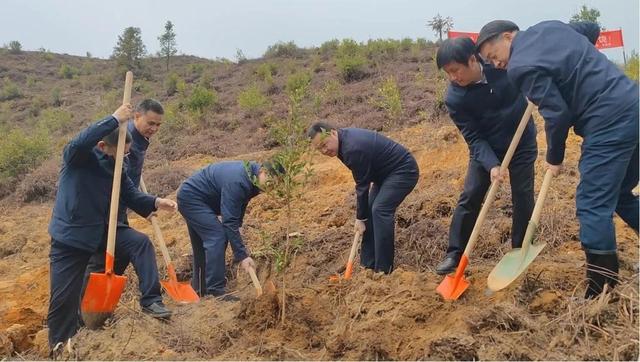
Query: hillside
[[399, 316]]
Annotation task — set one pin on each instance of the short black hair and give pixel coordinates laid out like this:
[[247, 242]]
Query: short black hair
[[112, 138], [274, 167], [149, 104], [457, 50], [493, 29], [319, 127]]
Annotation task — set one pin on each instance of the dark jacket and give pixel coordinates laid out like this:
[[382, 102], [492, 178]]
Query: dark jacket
[[137, 152], [81, 210], [487, 114], [371, 157], [570, 81], [227, 189]]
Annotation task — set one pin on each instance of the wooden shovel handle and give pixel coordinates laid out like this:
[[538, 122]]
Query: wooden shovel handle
[[493, 190], [156, 230], [542, 195], [117, 178], [357, 238], [256, 282]]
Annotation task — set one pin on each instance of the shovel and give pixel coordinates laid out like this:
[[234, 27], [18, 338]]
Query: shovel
[[517, 260], [255, 281], [348, 271], [104, 289], [180, 292], [451, 288]]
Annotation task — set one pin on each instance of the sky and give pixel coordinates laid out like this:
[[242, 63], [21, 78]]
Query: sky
[[212, 28]]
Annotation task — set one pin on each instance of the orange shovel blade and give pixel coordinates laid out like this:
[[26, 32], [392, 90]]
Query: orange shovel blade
[[452, 287], [180, 292], [103, 293], [349, 270]]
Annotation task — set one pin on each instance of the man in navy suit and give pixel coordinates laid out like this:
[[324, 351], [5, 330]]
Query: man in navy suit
[[79, 221], [487, 109], [557, 68]]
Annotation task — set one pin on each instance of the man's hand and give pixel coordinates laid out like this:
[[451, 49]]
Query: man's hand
[[360, 226], [248, 264], [124, 113], [166, 205], [496, 175], [555, 169]]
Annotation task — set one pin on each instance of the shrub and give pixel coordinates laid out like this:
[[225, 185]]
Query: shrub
[[266, 71], [15, 47], [67, 72], [56, 99], [405, 44], [350, 61], [201, 99], [171, 84], [55, 119], [9, 91], [41, 184], [253, 101], [283, 50], [299, 81], [383, 49], [332, 92], [389, 99], [329, 47], [20, 153], [631, 68]]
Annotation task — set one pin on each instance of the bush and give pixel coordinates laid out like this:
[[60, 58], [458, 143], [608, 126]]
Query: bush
[[56, 99], [67, 72], [15, 47], [283, 50], [266, 71], [383, 49], [298, 82], [405, 44], [350, 61], [171, 84], [55, 119], [202, 98], [41, 184], [389, 99], [631, 68], [9, 91], [332, 92], [329, 47], [253, 101], [20, 153]]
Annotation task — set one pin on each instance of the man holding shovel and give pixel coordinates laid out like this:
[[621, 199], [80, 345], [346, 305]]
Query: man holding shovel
[[213, 202], [487, 109], [574, 85], [385, 173], [80, 216], [146, 122]]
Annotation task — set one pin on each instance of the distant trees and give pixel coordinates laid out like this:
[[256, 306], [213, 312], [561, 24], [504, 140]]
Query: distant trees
[[586, 14], [168, 43], [15, 47], [130, 49], [440, 25]]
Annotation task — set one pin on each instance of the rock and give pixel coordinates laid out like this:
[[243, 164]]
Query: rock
[[6, 347], [19, 336]]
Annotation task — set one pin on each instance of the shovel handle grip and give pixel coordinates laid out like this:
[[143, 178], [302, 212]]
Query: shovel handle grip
[[117, 178], [542, 195], [493, 190], [357, 238], [156, 230], [256, 282]]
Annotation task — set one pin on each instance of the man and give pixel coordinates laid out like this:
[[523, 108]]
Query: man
[[384, 172], [574, 85], [78, 225], [213, 202], [146, 122], [487, 109]]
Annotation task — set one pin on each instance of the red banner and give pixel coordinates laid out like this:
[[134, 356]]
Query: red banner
[[463, 34], [610, 39], [607, 39]]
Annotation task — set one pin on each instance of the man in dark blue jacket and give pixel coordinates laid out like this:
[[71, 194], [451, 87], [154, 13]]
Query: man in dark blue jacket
[[78, 224], [487, 109], [574, 85], [146, 122], [384, 172], [213, 202]]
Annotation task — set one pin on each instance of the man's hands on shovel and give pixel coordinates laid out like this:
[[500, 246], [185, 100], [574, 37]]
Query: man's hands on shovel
[[360, 226], [124, 113], [555, 169], [248, 264], [166, 205]]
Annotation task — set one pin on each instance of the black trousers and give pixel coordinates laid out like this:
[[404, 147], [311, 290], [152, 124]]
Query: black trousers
[[476, 184], [378, 242]]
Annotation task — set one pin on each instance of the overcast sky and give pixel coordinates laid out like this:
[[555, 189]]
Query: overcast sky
[[212, 28]]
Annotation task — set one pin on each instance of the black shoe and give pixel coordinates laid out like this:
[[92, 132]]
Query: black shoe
[[157, 310], [448, 265], [601, 270]]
